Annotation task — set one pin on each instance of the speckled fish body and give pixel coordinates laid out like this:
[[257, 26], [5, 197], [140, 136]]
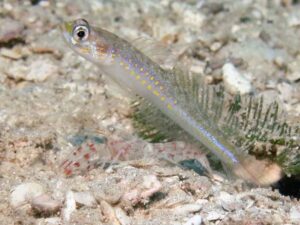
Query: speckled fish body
[[133, 70], [96, 151]]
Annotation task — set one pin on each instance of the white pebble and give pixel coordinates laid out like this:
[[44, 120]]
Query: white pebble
[[188, 208], [216, 46], [234, 81], [44, 203], [24, 193], [214, 216], [190, 15], [225, 197], [52, 221], [85, 198], [293, 21], [122, 217], [151, 181], [195, 220], [228, 201], [295, 214], [70, 205]]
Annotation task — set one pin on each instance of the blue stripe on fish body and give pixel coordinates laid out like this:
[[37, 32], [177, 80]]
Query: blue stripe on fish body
[[149, 77]]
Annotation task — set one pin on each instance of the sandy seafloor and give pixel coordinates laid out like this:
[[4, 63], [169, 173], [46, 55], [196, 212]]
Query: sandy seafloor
[[48, 93]]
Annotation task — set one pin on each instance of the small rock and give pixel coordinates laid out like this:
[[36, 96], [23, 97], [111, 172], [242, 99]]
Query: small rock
[[40, 70], [7, 6], [293, 21], [108, 213], [216, 63], [279, 61], [70, 205], [10, 53], [44, 3], [195, 220], [190, 15], [45, 204], [295, 214], [188, 208], [85, 198], [122, 216], [234, 81], [24, 193], [176, 198], [228, 201], [213, 215], [197, 66], [295, 70], [46, 50], [10, 30], [216, 46], [151, 183], [209, 79], [265, 36], [215, 7], [286, 91], [142, 192], [237, 61], [52, 221]]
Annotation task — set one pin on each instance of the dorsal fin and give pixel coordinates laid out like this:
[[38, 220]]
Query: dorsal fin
[[157, 51]]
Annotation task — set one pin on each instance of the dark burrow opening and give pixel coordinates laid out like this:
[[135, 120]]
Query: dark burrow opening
[[289, 186]]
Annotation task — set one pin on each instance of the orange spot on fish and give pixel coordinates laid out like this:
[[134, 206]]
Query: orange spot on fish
[[68, 172], [102, 48], [77, 164], [92, 147], [86, 156]]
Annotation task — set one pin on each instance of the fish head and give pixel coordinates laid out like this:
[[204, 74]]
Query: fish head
[[87, 41]]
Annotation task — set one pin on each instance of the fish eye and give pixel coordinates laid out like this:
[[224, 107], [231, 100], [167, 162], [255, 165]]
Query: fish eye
[[81, 33]]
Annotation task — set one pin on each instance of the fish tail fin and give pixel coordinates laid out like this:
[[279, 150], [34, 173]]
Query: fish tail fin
[[259, 172]]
